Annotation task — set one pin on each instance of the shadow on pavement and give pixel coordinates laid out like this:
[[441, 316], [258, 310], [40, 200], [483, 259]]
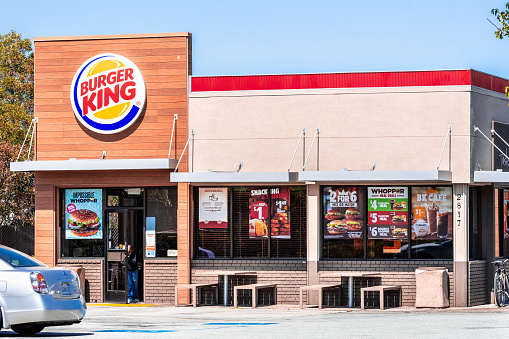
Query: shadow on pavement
[[10, 334]]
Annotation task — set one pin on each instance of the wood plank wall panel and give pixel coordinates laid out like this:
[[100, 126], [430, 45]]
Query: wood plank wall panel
[[165, 64]]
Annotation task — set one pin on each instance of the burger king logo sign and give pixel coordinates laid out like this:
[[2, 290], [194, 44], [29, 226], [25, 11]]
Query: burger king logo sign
[[108, 93]]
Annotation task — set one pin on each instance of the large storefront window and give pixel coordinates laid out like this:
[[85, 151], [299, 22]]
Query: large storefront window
[[262, 222], [396, 222], [162, 210], [343, 222], [83, 230]]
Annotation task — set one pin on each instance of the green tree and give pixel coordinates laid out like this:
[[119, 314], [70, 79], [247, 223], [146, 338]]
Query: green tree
[[503, 18], [16, 113]]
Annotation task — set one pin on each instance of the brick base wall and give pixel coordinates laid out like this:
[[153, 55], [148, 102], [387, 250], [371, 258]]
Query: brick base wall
[[94, 269], [477, 283], [160, 278], [392, 273], [290, 275]]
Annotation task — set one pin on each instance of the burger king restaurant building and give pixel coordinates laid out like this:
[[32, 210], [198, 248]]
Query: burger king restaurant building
[[288, 178]]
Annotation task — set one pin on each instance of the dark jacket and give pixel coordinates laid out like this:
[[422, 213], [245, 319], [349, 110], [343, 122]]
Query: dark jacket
[[132, 265]]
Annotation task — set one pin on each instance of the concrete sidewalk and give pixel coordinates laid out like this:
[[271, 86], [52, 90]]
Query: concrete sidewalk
[[473, 309]]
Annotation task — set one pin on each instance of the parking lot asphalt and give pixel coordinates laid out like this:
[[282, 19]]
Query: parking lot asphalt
[[163, 321]]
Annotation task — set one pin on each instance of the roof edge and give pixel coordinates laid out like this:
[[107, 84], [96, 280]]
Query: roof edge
[[111, 37]]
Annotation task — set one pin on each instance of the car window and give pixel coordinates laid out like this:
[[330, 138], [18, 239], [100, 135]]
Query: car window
[[16, 259]]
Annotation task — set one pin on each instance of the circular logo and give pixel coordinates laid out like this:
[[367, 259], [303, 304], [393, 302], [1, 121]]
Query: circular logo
[[108, 93]]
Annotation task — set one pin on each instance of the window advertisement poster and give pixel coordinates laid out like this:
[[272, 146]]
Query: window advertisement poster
[[213, 211], [258, 212], [280, 213], [343, 214], [150, 237], [432, 213], [388, 213], [506, 211], [83, 213]]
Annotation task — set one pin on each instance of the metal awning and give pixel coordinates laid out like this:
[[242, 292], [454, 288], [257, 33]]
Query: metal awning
[[93, 165], [234, 177], [376, 176], [491, 177], [311, 176]]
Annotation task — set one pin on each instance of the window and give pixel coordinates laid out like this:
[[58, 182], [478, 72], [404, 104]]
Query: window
[[162, 206], [17, 259], [432, 223], [124, 197], [263, 222], [395, 222], [82, 224], [343, 221]]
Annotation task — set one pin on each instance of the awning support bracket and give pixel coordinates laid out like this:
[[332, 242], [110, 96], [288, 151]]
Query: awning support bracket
[[32, 123], [184, 150], [491, 142], [302, 134], [495, 132], [449, 131], [317, 134], [175, 118]]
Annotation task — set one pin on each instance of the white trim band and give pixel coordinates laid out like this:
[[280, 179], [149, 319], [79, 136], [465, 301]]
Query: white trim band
[[93, 165]]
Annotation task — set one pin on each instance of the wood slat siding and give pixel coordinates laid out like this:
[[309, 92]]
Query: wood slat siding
[[165, 62]]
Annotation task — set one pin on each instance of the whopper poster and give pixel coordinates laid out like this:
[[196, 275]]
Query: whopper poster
[[213, 210], [343, 214], [83, 214], [388, 213], [432, 213]]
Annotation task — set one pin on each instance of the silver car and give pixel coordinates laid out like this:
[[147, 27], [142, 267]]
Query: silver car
[[33, 295]]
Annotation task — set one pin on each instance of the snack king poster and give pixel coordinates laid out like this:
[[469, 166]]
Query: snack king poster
[[213, 211], [258, 212], [280, 213], [388, 213], [432, 213], [89, 203], [343, 215], [506, 211]]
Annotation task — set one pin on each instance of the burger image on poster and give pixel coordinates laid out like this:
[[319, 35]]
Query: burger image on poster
[[352, 214], [333, 215], [83, 223]]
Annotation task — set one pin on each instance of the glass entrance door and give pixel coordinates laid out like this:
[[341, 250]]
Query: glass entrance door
[[116, 274], [125, 227]]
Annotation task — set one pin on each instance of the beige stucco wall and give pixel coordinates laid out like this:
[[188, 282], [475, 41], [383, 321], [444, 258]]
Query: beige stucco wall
[[398, 128]]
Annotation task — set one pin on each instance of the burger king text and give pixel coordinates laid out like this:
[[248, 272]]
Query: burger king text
[[100, 96]]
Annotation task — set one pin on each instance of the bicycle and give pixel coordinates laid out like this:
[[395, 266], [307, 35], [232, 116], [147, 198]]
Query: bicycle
[[501, 284]]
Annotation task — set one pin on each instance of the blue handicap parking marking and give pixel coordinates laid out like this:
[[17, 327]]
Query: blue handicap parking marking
[[239, 324], [137, 331]]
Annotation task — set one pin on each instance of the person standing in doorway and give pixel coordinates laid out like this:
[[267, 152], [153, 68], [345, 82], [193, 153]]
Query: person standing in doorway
[[132, 275]]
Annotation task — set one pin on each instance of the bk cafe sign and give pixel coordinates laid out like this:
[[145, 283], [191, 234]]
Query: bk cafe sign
[[108, 93]]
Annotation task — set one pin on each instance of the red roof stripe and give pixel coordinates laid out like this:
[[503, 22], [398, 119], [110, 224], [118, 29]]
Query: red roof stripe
[[348, 80]]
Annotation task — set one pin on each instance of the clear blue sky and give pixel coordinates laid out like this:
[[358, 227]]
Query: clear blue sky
[[288, 36]]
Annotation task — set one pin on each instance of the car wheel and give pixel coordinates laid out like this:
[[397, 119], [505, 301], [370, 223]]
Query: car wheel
[[27, 329]]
